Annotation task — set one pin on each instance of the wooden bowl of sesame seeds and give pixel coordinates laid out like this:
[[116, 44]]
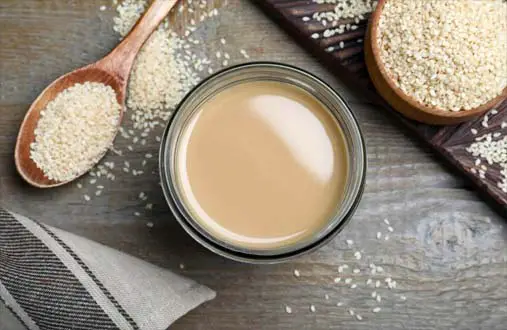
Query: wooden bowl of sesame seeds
[[403, 102]]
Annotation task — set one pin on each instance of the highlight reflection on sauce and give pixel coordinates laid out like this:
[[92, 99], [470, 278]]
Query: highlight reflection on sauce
[[262, 165]]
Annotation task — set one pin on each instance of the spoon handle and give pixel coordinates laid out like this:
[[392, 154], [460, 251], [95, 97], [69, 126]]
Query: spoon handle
[[121, 59]]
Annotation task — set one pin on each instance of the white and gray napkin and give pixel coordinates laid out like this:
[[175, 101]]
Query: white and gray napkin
[[54, 280]]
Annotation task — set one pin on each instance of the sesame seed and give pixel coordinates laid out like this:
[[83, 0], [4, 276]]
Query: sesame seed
[[288, 310], [337, 279], [376, 310], [312, 308], [386, 222], [87, 198], [356, 271], [149, 224], [348, 280], [379, 235], [350, 242], [87, 114], [297, 273], [390, 229], [414, 44]]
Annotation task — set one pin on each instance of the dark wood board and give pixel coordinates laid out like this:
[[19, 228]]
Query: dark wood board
[[449, 142]]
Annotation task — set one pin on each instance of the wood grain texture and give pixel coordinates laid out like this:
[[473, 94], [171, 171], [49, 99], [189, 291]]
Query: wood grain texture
[[448, 251], [348, 63]]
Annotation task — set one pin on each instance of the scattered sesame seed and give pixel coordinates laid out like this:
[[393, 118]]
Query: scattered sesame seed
[[350, 242], [288, 310], [87, 198], [379, 235], [312, 308], [297, 273], [149, 224], [390, 229], [386, 222], [376, 310]]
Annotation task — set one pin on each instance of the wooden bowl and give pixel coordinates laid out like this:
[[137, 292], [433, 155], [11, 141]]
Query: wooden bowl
[[402, 102]]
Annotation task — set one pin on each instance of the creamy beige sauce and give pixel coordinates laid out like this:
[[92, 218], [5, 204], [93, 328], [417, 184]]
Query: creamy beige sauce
[[262, 165]]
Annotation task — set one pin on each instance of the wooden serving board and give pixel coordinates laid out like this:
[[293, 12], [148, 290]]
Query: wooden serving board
[[348, 64]]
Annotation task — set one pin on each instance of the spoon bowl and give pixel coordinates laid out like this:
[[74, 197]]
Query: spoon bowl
[[113, 70], [26, 167]]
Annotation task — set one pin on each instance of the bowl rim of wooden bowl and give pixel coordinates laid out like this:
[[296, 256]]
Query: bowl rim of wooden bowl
[[460, 115]]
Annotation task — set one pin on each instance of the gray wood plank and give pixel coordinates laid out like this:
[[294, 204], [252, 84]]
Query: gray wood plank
[[448, 251]]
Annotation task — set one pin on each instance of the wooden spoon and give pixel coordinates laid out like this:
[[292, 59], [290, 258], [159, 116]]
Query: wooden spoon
[[402, 102], [112, 70]]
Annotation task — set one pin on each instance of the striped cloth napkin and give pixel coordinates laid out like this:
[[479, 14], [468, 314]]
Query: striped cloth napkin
[[53, 280]]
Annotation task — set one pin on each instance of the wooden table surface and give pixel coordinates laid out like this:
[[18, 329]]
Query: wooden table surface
[[448, 251]]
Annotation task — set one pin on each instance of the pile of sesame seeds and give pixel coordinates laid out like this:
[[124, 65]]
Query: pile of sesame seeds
[[449, 55], [490, 150], [359, 273], [346, 16], [75, 130]]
